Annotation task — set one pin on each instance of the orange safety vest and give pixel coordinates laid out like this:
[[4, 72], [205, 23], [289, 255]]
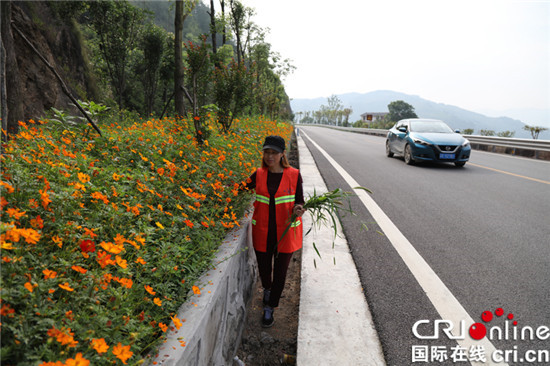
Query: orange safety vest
[[284, 204]]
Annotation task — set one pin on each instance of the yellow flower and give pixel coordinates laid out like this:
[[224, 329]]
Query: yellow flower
[[6, 245], [159, 225], [121, 352]]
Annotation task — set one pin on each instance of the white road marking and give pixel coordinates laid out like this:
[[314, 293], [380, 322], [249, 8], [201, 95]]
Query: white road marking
[[441, 297]]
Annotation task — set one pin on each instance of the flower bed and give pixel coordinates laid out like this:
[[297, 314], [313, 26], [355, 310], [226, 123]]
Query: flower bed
[[103, 237]]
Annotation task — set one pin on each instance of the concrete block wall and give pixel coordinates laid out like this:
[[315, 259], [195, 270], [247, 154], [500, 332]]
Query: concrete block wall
[[214, 320]]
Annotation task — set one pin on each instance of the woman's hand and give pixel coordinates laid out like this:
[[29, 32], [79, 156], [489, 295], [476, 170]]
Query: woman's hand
[[299, 210]]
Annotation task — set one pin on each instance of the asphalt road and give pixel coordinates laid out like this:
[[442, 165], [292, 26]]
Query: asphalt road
[[484, 230]]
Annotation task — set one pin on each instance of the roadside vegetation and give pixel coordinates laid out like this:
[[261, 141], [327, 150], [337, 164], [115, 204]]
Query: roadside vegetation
[[103, 237], [105, 230]]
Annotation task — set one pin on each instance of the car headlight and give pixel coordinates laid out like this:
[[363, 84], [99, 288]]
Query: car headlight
[[421, 142], [466, 143]]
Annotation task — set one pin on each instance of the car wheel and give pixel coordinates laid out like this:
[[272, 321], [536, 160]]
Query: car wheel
[[389, 153], [408, 155], [460, 164]]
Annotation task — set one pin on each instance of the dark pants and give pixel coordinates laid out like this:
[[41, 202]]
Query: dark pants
[[275, 264]]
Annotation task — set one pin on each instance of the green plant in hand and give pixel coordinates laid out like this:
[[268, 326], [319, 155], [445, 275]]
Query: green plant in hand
[[324, 209]]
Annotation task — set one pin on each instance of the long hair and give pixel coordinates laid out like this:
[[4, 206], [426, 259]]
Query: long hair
[[284, 161]]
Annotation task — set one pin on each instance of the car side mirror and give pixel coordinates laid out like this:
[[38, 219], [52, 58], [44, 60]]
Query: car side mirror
[[457, 131], [402, 129]]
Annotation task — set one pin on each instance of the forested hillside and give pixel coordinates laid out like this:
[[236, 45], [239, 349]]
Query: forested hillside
[[131, 60]]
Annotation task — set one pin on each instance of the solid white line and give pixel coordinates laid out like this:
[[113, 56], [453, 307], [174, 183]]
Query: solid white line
[[441, 297]]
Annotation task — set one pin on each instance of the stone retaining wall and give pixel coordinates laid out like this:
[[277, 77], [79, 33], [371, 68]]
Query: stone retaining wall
[[214, 320]]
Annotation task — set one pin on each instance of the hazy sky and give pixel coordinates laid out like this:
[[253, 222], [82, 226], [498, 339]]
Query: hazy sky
[[479, 55]]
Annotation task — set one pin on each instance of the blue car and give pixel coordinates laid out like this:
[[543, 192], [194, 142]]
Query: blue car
[[419, 139]]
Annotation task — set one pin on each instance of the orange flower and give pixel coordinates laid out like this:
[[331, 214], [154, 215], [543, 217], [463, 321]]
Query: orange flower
[[84, 178], [177, 322], [28, 286], [163, 326], [15, 213], [100, 196], [31, 236], [150, 290], [157, 301], [100, 345], [196, 290], [7, 186], [111, 248], [77, 361], [66, 287], [126, 282], [37, 222], [119, 240], [79, 269], [141, 261], [49, 274], [121, 352], [45, 198], [121, 262], [57, 240]]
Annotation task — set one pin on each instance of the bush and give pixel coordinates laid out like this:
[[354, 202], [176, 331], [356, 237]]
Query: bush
[[102, 238]]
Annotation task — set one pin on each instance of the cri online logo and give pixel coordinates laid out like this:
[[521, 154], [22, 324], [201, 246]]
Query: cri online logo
[[478, 330]]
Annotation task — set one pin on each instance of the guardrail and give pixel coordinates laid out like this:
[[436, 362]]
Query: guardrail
[[537, 149]]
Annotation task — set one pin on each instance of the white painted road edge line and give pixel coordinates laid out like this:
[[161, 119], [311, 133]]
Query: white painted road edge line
[[335, 324], [441, 297]]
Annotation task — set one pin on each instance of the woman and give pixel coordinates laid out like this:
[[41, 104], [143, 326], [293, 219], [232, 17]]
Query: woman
[[279, 194]]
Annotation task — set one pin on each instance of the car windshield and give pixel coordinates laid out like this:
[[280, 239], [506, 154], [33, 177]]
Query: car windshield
[[430, 126]]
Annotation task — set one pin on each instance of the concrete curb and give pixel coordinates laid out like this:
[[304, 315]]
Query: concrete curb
[[335, 324], [214, 320]]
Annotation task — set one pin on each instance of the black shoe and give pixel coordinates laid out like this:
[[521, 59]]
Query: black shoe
[[267, 320], [267, 293]]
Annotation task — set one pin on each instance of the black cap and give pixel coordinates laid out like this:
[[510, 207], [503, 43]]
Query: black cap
[[276, 143]]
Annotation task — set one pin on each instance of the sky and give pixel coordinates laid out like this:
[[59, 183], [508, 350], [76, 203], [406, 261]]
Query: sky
[[487, 56]]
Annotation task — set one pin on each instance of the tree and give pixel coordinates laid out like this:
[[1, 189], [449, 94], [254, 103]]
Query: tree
[[12, 106], [506, 134], [399, 110], [487, 132], [183, 9], [118, 26], [535, 130], [153, 47], [468, 131]]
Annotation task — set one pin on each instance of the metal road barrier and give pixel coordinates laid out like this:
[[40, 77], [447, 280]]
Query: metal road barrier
[[538, 149]]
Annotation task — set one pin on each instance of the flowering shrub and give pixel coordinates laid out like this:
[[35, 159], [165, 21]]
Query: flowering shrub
[[103, 237]]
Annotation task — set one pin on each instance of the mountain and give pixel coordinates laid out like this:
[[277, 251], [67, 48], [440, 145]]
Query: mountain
[[457, 118]]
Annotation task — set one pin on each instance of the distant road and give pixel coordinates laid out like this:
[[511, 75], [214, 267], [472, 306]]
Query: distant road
[[483, 229]]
